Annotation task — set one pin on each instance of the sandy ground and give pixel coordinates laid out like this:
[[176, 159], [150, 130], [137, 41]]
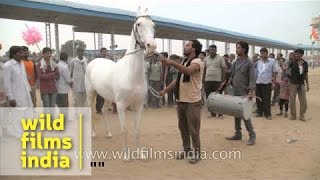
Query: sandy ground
[[271, 158]]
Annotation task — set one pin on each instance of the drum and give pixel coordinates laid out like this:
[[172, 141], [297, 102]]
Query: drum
[[236, 106]]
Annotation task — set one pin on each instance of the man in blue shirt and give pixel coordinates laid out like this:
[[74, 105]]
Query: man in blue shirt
[[266, 70]]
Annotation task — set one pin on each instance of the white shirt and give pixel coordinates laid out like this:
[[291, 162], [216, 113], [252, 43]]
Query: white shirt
[[77, 70], [63, 84], [16, 85], [265, 70], [279, 70]]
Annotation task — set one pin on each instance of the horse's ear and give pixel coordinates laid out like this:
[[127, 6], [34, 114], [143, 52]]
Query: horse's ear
[[146, 11], [139, 11]]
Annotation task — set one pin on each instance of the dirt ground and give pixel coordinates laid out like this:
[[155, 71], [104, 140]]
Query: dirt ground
[[272, 157]]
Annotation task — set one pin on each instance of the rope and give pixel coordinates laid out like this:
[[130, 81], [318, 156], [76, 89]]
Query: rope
[[154, 92], [133, 52], [257, 98], [253, 97]]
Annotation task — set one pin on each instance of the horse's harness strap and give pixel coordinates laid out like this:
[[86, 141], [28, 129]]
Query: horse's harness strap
[[137, 37], [136, 34], [134, 51]]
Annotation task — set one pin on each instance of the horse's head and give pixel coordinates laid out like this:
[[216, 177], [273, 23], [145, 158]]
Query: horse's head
[[143, 31]]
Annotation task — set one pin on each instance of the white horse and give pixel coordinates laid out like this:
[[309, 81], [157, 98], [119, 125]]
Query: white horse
[[123, 82]]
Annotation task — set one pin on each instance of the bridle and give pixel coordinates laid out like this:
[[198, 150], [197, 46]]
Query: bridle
[[136, 36]]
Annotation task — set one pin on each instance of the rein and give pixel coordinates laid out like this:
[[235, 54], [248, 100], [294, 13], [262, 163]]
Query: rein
[[154, 92], [136, 36]]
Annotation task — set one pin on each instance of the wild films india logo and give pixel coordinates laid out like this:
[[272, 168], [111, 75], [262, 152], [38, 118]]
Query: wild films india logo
[[33, 136], [47, 143]]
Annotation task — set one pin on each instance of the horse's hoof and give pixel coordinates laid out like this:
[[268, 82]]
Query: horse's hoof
[[93, 134], [126, 158], [143, 154], [109, 135], [143, 157]]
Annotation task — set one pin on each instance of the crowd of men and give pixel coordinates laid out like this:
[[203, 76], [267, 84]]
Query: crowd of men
[[274, 76], [187, 80]]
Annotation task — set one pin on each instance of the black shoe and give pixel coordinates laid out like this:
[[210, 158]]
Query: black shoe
[[181, 156], [220, 116], [233, 138], [279, 114], [99, 112], [251, 141], [269, 118], [293, 117], [302, 118], [194, 160]]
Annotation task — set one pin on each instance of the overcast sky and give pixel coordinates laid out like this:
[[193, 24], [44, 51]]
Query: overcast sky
[[287, 21]]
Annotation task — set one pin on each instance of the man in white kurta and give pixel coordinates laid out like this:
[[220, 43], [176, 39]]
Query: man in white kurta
[[16, 84], [78, 67], [17, 88]]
